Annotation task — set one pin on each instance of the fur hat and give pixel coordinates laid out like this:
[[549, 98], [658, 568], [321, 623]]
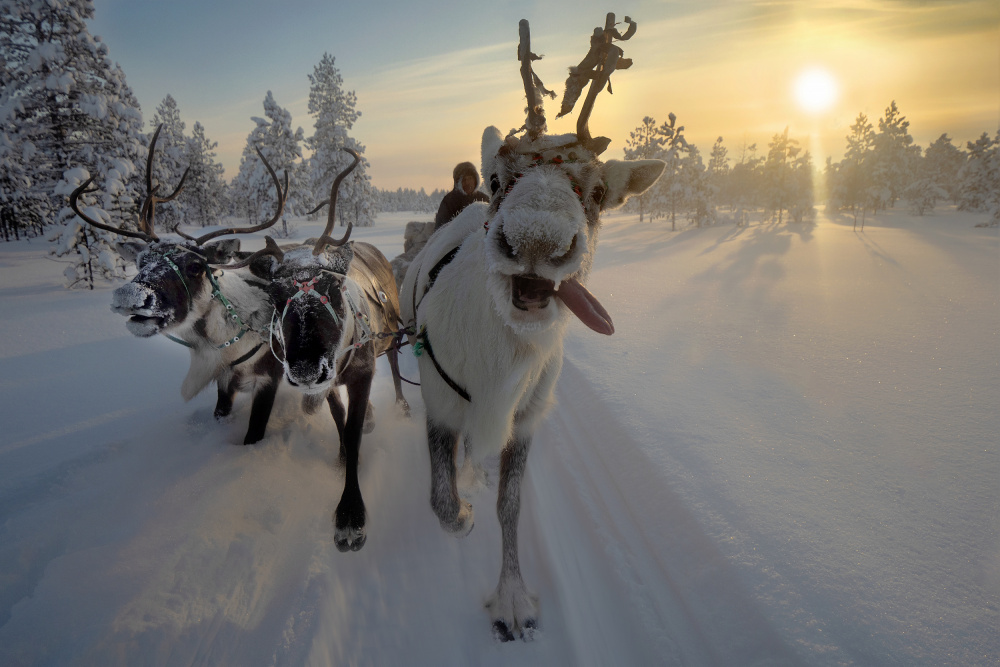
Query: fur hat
[[463, 168]]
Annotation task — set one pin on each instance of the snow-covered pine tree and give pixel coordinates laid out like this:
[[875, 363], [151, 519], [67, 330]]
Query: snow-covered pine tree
[[170, 164], [787, 180], [745, 183], [64, 104], [853, 189], [643, 143], [335, 112], [205, 192], [893, 155], [696, 186], [668, 193], [252, 189], [980, 178], [942, 163]]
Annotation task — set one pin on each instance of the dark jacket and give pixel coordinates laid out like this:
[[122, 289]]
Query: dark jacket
[[456, 200]]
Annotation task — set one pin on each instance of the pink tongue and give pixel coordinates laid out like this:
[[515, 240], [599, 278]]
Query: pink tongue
[[585, 306]]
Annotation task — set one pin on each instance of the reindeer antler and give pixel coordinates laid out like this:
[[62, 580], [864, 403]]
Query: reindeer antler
[[603, 58], [533, 86], [100, 225], [147, 212], [282, 197], [324, 239]]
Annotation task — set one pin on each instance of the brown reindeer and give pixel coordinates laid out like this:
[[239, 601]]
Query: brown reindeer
[[336, 310]]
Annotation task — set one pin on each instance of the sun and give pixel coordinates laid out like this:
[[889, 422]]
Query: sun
[[815, 90]]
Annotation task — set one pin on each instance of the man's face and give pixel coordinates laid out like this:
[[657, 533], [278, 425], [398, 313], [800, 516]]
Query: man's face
[[468, 183]]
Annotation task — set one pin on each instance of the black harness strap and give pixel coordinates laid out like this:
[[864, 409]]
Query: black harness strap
[[246, 356], [444, 376], [422, 336]]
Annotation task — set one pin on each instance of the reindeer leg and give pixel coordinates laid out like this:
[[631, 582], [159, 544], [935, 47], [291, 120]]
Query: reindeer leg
[[349, 519], [512, 607], [224, 402], [339, 414], [401, 403], [260, 411], [456, 515]]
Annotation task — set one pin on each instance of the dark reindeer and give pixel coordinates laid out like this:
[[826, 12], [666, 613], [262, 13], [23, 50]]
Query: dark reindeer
[[336, 310], [490, 295], [185, 292]]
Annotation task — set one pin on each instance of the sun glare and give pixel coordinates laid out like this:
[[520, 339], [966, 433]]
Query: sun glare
[[815, 90]]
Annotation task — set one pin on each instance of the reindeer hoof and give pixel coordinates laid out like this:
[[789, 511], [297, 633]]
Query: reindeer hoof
[[514, 612], [350, 539], [403, 407]]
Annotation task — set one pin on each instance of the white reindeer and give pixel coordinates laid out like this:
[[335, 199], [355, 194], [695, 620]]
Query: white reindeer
[[489, 298]]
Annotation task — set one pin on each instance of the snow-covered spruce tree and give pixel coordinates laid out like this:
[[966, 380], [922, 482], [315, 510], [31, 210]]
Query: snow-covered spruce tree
[[644, 143], [252, 190], [980, 178], [64, 104], [892, 158], [91, 251], [335, 112], [170, 164], [205, 192]]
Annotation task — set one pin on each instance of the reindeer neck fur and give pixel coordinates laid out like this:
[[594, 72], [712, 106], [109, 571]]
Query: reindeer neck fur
[[210, 325]]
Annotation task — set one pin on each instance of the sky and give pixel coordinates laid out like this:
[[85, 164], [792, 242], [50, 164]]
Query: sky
[[428, 81]]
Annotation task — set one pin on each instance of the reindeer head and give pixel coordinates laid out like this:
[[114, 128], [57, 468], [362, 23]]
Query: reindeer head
[[548, 192], [172, 276], [316, 307]]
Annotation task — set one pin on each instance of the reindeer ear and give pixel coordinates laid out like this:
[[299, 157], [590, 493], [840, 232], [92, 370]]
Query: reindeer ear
[[129, 250], [340, 259], [491, 144], [264, 267], [629, 178], [220, 252]]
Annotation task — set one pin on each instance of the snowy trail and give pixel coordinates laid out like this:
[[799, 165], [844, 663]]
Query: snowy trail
[[186, 548], [785, 455]]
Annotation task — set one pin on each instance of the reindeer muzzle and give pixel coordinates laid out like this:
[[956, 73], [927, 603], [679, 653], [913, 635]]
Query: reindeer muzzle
[[139, 304]]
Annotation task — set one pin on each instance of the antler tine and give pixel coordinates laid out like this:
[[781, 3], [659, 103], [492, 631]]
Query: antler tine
[[282, 198], [535, 122], [603, 58], [270, 248], [325, 239], [321, 205], [73, 203]]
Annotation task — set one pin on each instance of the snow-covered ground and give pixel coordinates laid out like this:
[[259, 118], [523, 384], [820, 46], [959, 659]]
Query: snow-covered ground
[[787, 454]]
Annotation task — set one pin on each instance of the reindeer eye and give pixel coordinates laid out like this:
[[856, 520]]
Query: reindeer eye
[[597, 194], [494, 183]]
